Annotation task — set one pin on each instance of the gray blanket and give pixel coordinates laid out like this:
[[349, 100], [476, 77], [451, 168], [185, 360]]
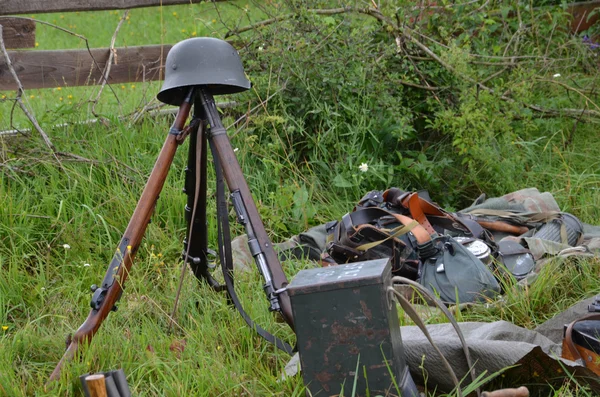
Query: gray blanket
[[516, 355]]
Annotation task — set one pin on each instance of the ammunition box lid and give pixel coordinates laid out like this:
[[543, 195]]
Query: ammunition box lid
[[340, 277]]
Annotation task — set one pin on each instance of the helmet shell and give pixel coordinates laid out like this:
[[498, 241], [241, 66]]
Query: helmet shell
[[202, 61]]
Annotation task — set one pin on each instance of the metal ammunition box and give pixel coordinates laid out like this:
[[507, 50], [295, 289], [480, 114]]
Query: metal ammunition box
[[344, 320]]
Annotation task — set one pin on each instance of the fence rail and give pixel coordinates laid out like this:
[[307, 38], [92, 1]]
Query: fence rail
[[49, 69], [17, 7], [18, 32]]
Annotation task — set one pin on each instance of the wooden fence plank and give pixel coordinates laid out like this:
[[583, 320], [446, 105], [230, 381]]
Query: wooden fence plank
[[15, 7], [47, 69], [18, 33], [581, 15]]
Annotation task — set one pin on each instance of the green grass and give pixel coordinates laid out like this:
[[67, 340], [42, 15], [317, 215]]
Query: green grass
[[290, 165], [45, 287]]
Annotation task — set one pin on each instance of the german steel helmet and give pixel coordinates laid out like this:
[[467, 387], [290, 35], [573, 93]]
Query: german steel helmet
[[202, 61]]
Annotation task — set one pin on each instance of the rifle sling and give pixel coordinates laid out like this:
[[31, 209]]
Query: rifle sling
[[198, 131], [225, 256]]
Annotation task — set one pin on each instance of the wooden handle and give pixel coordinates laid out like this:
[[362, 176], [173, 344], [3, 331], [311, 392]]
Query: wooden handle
[[96, 385], [500, 226], [520, 392]]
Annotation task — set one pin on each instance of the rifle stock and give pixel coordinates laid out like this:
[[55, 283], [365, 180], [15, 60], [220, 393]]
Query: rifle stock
[[105, 296]]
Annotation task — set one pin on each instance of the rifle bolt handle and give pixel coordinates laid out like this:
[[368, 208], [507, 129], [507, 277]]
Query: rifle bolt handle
[[94, 287]]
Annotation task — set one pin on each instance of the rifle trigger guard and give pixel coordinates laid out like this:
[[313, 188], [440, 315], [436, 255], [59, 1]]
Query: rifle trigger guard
[[98, 298]]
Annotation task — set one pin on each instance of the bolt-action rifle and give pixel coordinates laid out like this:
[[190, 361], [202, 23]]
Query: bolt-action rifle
[[196, 69]]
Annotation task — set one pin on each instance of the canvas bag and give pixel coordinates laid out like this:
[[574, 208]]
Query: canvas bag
[[455, 274]]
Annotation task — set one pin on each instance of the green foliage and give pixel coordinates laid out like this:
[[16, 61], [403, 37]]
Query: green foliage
[[336, 113], [345, 103]]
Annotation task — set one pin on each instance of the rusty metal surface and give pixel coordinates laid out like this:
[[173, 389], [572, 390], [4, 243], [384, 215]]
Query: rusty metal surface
[[343, 318]]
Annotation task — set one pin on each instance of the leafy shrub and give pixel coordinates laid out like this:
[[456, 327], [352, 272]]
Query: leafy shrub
[[358, 89]]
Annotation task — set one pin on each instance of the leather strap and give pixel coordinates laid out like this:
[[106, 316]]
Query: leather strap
[[368, 215], [395, 196], [198, 128], [225, 256], [420, 233], [417, 207], [428, 214]]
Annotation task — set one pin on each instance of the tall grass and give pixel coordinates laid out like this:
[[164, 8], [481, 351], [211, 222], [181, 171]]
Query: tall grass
[[60, 222]]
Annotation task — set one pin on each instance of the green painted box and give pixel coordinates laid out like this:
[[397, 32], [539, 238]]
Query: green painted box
[[344, 317]]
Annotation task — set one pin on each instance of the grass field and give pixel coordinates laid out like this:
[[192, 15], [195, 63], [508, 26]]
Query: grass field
[[49, 258], [61, 221]]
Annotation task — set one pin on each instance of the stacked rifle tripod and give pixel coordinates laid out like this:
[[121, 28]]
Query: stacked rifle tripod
[[196, 69]]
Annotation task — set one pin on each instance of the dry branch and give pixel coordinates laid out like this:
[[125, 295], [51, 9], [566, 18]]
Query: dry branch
[[270, 21], [16, 169], [421, 87], [151, 112], [111, 56], [558, 112], [20, 93]]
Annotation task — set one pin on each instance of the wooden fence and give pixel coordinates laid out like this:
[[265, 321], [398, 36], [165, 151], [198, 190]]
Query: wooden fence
[[19, 7], [48, 69]]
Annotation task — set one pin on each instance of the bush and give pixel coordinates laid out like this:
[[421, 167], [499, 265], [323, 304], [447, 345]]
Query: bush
[[355, 88]]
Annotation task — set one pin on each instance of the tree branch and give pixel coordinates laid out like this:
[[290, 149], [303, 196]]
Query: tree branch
[[421, 87], [20, 92], [111, 56]]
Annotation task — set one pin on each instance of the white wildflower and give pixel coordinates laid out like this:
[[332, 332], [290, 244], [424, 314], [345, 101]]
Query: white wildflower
[[556, 75], [66, 246], [364, 167], [236, 149], [86, 265]]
